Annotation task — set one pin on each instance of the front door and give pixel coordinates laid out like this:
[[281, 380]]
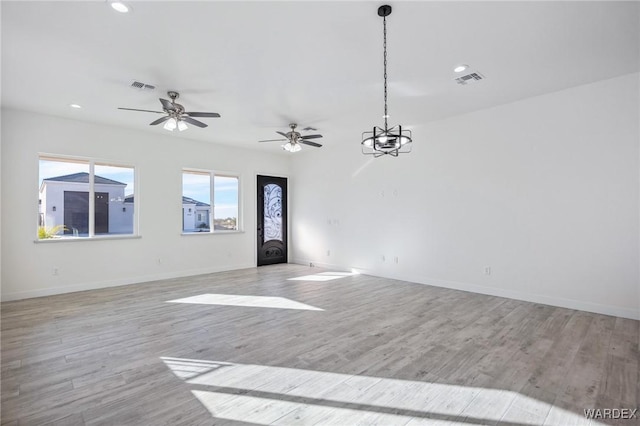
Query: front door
[[272, 220]]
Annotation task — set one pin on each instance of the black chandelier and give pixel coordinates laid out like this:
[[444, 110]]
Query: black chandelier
[[386, 141]]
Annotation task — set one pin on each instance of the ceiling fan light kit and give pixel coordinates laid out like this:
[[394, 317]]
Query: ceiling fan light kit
[[291, 147], [388, 140], [171, 124]]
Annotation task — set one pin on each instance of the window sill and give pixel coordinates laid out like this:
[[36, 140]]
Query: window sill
[[187, 234], [97, 238]]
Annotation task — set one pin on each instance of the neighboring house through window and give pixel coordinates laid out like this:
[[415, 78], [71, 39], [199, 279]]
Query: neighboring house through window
[[66, 200], [195, 215]]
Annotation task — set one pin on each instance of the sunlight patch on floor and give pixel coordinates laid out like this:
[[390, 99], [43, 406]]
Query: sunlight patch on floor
[[264, 394], [246, 301], [265, 411], [186, 369], [323, 276]]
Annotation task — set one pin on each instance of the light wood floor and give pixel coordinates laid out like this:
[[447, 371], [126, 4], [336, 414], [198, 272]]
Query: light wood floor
[[328, 349]]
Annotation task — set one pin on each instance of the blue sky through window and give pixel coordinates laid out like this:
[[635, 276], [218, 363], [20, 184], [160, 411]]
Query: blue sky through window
[[197, 186], [226, 194]]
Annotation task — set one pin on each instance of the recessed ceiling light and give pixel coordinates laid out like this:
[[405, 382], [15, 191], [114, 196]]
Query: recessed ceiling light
[[119, 6], [460, 68], [75, 106]]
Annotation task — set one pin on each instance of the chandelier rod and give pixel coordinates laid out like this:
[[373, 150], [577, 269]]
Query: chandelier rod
[[386, 114]]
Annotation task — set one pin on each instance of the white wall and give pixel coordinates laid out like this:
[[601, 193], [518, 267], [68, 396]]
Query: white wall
[[27, 267], [545, 191]]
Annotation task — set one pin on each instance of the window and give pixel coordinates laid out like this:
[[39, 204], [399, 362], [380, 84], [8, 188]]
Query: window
[[196, 201], [199, 189], [84, 198], [225, 212]]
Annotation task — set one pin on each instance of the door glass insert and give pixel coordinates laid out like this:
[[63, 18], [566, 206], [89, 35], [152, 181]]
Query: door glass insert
[[272, 212]]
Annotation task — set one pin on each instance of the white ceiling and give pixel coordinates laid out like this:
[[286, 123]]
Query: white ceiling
[[264, 64]]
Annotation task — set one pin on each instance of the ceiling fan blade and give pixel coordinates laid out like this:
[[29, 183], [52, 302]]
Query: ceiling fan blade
[[167, 105], [192, 121], [159, 120], [274, 140], [317, 145], [143, 110], [203, 114], [283, 134], [311, 136]]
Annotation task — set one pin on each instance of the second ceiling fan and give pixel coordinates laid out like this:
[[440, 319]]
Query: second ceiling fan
[[294, 139]]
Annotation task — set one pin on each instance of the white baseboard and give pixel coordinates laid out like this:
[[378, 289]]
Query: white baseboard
[[579, 305], [313, 263], [7, 297]]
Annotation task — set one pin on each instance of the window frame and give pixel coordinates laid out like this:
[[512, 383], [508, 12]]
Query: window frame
[[91, 163], [212, 175]]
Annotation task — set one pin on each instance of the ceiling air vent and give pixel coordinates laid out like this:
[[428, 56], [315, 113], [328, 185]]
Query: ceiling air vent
[[142, 86], [469, 78]]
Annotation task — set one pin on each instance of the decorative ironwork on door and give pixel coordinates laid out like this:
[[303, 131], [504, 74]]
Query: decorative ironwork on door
[[272, 220], [272, 212]]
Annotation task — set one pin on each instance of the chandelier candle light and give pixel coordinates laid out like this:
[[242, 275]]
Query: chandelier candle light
[[386, 141]]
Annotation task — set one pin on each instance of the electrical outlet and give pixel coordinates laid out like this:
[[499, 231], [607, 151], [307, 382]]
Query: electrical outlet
[[159, 261], [55, 271], [384, 259], [328, 252], [487, 270], [395, 259]]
